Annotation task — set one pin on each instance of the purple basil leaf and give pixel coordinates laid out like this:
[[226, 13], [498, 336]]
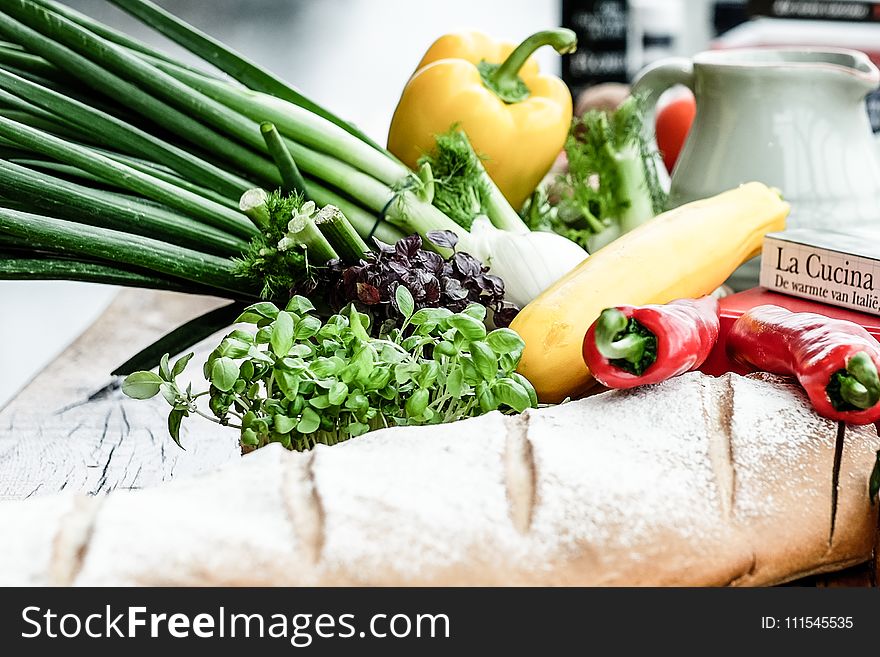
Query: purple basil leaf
[[431, 261], [445, 239], [453, 289], [368, 294], [504, 316], [432, 291], [466, 264], [398, 267], [407, 247], [495, 283], [384, 247]]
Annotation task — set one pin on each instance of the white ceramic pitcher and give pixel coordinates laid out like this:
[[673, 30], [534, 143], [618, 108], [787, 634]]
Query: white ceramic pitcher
[[790, 118]]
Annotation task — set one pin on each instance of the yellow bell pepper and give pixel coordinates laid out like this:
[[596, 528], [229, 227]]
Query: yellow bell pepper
[[514, 116]]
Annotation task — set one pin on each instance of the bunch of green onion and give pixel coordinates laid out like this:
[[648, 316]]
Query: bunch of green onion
[[120, 165]]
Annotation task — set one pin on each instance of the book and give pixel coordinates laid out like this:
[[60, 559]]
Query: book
[[837, 268], [829, 10], [601, 28]]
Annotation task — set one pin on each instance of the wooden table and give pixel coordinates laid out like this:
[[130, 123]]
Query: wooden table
[[72, 428]]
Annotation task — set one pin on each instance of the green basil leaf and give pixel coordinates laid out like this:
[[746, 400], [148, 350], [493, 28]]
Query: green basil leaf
[[356, 324], [476, 310], [405, 303], [338, 393], [141, 385], [301, 350], [306, 327], [378, 378], [164, 368], [472, 329], [356, 429], [529, 388], [455, 383], [263, 335], [224, 373], [444, 348], [281, 339], [430, 316], [484, 360], [244, 336], [486, 398], [299, 305], [246, 370], [257, 354], [248, 419], [391, 355], [309, 422], [404, 372], [428, 374], [233, 348], [512, 394], [323, 368], [357, 402], [471, 375], [288, 383], [256, 312], [508, 363], [249, 438], [417, 403], [169, 392], [505, 341], [413, 342], [320, 401], [283, 424], [180, 365], [175, 417]]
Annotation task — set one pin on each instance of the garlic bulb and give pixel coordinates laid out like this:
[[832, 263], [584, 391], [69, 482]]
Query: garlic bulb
[[528, 262]]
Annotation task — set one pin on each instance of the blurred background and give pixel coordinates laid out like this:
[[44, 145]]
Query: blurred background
[[354, 56]]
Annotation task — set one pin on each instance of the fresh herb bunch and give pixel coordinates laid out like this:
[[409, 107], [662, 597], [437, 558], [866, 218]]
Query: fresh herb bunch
[[431, 280], [266, 262], [460, 190], [300, 382], [611, 185]]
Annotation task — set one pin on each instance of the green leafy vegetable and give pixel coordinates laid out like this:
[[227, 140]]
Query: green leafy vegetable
[[611, 186], [299, 382]]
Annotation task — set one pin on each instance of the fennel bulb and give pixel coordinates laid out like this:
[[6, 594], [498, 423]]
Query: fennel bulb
[[528, 262]]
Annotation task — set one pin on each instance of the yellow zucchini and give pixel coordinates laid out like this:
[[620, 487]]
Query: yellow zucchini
[[682, 253]]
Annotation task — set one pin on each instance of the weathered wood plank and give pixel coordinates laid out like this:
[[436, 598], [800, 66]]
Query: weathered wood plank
[[72, 429]]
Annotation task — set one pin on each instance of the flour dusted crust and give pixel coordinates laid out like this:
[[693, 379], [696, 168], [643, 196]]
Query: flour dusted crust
[[695, 481]]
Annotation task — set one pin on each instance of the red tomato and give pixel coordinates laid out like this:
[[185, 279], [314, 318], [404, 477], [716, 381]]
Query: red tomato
[[672, 125]]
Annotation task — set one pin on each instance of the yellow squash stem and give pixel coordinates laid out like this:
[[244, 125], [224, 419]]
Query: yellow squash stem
[[685, 252]]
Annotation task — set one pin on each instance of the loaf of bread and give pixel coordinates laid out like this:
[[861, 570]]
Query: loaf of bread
[[695, 481]]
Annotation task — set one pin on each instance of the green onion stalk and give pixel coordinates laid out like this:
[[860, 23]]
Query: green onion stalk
[[114, 154]]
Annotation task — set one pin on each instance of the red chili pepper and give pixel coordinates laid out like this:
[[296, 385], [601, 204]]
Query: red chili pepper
[[835, 361], [635, 345]]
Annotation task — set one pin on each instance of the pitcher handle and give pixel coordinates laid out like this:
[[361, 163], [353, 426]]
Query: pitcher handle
[[651, 82], [659, 76]]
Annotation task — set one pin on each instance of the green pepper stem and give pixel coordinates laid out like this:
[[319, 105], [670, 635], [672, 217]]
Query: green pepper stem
[[860, 386], [504, 79], [610, 325]]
